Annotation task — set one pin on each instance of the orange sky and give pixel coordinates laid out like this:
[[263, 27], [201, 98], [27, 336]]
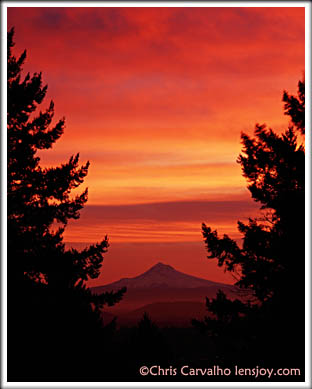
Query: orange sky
[[156, 99]]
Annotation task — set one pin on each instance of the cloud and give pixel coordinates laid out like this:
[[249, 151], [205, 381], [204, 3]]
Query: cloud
[[163, 40], [177, 211], [178, 221], [156, 98], [179, 83]]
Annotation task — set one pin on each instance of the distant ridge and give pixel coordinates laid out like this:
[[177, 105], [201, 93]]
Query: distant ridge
[[178, 313]]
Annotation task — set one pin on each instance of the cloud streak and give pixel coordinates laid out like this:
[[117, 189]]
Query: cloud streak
[[159, 222]]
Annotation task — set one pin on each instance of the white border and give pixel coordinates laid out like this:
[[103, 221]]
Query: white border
[[9, 4]]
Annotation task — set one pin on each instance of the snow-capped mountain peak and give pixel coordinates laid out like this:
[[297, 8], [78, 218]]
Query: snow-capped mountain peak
[[160, 276]]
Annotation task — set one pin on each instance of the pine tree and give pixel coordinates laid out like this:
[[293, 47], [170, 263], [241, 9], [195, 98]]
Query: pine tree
[[46, 281], [295, 107], [271, 261]]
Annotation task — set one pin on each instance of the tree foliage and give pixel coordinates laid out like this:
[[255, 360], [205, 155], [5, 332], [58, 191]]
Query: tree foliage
[[39, 199], [295, 107], [46, 280], [270, 262]]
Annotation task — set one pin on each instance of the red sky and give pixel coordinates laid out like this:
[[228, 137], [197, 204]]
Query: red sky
[[156, 99]]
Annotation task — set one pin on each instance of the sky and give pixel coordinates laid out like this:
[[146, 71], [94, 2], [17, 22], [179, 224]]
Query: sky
[[156, 100]]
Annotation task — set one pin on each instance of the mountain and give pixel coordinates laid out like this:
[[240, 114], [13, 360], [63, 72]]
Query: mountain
[[160, 276], [169, 296]]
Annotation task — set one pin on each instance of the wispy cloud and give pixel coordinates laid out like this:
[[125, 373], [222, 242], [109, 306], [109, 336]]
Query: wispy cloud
[[159, 222]]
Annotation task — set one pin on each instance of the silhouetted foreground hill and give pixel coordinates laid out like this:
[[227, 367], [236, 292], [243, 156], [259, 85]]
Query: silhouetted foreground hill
[[170, 297]]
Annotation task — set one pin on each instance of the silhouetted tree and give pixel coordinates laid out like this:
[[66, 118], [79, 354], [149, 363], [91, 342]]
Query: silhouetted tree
[[48, 301], [150, 345], [146, 327], [295, 107], [270, 262]]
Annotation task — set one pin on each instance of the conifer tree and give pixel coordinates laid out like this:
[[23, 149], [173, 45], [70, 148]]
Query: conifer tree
[[46, 281], [271, 261], [39, 198]]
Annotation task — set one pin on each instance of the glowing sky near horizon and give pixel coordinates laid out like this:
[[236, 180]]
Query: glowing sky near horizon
[[156, 99]]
